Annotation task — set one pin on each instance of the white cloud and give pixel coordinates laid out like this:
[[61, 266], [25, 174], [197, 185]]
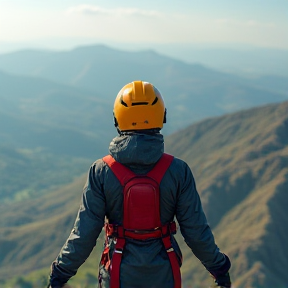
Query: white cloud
[[181, 108], [87, 9], [96, 10]]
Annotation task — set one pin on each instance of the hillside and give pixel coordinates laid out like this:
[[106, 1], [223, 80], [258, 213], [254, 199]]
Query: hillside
[[240, 163], [62, 119], [30, 173], [32, 234]]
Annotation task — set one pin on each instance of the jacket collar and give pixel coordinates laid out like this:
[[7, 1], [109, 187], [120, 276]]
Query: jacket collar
[[134, 149]]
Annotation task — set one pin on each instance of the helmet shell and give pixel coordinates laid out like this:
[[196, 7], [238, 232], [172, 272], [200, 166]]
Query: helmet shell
[[139, 105]]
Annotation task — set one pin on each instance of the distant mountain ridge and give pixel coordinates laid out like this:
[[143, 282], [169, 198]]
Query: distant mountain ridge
[[194, 92], [240, 163]]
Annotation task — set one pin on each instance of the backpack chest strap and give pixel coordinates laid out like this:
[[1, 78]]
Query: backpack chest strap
[[118, 231]]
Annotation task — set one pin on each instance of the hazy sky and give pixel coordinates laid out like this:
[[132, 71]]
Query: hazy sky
[[63, 23]]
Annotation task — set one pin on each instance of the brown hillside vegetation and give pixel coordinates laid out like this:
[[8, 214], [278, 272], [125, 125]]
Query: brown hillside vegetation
[[240, 162], [32, 231]]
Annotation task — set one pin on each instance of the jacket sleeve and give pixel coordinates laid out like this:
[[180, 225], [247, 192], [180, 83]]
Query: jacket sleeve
[[194, 227], [88, 225]]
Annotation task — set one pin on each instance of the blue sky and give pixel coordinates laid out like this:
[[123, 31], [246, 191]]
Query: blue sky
[[65, 24]]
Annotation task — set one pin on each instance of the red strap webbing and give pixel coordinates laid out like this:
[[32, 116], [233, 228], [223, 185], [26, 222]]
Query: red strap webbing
[[161, 167], [173, 261], [166, 231], [115, 263], [124, 174]]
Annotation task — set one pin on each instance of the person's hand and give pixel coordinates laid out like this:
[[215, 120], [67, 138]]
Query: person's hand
[[64, 286], [223, 281]]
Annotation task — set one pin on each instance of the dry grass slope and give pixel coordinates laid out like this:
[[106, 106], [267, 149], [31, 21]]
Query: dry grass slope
[[48, 222], [240, 162]]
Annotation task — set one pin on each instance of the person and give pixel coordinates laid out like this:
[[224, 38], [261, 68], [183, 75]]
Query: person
[[146, 261]]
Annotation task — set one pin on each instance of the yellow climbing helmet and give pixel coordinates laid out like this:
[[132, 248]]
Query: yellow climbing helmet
[[139, 105]]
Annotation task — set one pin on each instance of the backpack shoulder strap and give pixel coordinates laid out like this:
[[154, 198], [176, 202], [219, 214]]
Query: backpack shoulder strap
[[122, 173], [161, 167]]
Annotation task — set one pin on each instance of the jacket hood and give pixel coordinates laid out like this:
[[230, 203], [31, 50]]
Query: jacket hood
[[134, 149]]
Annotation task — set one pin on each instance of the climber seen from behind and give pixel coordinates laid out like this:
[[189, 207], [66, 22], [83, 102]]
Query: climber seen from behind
[[138, 190]]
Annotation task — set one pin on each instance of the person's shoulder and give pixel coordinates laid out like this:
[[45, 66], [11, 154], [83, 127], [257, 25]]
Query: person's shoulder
[[179, 165], [179, 162], [98, 164]]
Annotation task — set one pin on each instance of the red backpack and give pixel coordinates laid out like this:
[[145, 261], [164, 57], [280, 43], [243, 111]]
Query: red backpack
[[141, 216]]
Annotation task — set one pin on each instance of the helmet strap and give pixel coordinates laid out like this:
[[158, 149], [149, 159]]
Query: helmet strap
[[165, 112], [115, 121]]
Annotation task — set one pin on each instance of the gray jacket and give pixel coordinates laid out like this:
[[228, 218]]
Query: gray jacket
[[144, 263]]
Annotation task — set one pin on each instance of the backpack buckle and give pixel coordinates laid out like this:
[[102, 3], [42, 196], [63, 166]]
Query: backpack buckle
[[171, 249], [169, 229], [118, 250], [172, 227]]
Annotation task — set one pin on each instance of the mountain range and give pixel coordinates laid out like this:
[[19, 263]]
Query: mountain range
[[56, 118], [240, 164], [87, 77]]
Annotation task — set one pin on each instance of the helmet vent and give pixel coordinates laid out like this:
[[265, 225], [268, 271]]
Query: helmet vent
[[155, 101], [139, 103], [122, 102]]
